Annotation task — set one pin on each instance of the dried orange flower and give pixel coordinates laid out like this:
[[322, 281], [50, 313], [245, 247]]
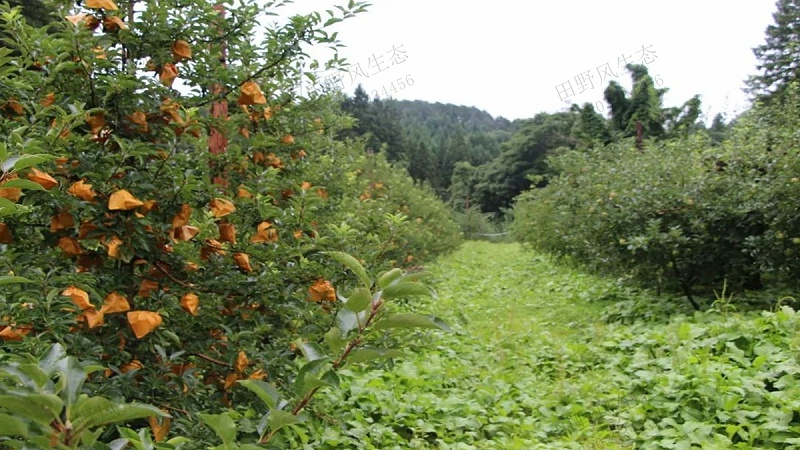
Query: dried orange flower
[[82, 190], [322, 291], [243, 261], [101, 4], [113, 23], [61, 221], [168, 74], [241, 362], [189, 303], [143, 322], [79, 297], [42, 179], [5, 234], [265, 233], [70, 246], [251, 94], [181, 50], [123, 200], [227, 233], [221, 207], [115, 303]]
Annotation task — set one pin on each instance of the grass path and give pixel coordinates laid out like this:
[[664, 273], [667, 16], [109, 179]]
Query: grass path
[[531, 365]]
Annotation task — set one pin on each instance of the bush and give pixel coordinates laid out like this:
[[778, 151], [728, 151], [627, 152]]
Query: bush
[[682, 215], [177, 235]]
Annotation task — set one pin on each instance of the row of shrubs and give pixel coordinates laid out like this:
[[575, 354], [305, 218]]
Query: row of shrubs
[[681, 215], [182, 250]]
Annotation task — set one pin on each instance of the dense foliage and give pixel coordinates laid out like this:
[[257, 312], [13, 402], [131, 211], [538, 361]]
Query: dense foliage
[[532, 364], [177, 229], [682, 214]]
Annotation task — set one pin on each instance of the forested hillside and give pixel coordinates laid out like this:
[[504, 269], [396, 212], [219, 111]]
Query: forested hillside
[[474, 160]]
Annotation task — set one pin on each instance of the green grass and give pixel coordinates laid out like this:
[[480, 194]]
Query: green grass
[[532, 364]]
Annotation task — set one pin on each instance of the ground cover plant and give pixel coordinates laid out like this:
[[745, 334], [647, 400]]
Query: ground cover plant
[[539, 358]]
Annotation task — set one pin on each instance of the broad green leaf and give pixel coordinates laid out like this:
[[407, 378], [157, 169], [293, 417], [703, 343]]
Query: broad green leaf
[[307, 376], [51, 359], [346, 320], [104, 412], [7, 206], [278, 419], [330, 378], [118, 444], [417, 276], [12, 426], [265, 391], [389, 276], [359, 300], [311, 350], [410, 320], [372, 353], [178, 440], [26, 161], [41, 408], [223, 426], [30, 375], [24, 184], [352, 264], [334, 340], [7, 279], [72, 377], [405, 289]]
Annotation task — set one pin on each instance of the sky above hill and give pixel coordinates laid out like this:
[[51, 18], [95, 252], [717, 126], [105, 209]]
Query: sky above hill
[[515, 59]]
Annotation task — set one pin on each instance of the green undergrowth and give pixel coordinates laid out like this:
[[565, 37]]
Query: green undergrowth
[[531, 363]]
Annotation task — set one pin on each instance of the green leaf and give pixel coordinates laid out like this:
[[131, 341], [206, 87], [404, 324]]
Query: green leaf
[[372, 353], [330, 378], [389, 276], [72, 377], [278, 419], [25, 161], [30, 375], [12, 426], [5, 279], [7, 206], [346, 320], [334, 340], [405, 289], [306, 377], [417, 276], [352, 264], [311, 350], [41, 408], [91, 412], [410, 320], [359, 300], [223, 426], [55, 353], [265, 391], [24, 184]]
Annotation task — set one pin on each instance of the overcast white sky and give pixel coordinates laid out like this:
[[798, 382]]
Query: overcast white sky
[[507, 56]]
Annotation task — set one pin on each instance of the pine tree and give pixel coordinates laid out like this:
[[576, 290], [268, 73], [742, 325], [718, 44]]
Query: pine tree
[[779, 56]]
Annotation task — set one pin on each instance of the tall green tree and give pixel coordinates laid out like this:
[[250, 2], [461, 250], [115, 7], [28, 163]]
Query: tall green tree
[[643, 105], [591, 128], [505, 177], [779, 56]]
